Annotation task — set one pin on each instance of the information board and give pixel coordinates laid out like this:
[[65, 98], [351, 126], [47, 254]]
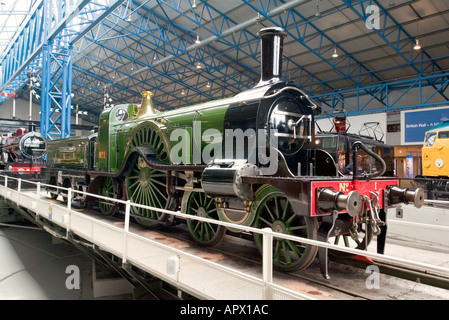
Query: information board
[[414, 124]]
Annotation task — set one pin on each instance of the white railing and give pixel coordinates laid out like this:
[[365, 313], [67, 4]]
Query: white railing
[[170, 264]]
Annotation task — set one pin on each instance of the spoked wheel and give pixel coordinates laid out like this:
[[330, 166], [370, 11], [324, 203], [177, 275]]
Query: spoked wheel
[[204, 233], [145, 185], [107, 189], [275, 211], [53, 191], [66, 184]]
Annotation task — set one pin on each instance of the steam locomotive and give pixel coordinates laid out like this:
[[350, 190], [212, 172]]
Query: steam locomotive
[[22, 151], [250, 160]]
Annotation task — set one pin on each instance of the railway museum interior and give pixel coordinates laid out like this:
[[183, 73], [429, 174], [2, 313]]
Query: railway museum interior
[[224, 150]]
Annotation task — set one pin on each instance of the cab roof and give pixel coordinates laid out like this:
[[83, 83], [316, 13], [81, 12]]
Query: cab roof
[[442, 126]]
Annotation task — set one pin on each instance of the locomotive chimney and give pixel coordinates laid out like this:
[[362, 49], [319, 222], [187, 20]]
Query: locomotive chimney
[[272, 41], [147, 107]]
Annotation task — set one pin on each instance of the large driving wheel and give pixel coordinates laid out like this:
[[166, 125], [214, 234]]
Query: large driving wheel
[[273, 210], [145, 185], [204, 233]]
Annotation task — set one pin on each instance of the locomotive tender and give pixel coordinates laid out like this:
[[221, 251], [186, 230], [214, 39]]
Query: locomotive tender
[[250, 160]]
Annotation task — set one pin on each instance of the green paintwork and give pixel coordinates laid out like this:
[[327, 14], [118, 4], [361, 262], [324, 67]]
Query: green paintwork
[[107, 145], [273, 210], [116, 131], [68, 153], [199, 204]]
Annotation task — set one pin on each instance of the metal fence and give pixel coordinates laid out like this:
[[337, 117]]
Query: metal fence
[[172, 265]]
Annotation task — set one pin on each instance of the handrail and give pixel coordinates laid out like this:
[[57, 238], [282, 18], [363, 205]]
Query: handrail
[[267, 234], [248, 229]]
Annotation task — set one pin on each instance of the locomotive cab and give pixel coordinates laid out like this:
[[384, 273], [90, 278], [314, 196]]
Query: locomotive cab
[[435, 154]]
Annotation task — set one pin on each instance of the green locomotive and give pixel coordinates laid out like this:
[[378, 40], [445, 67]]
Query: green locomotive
[[250, 160]]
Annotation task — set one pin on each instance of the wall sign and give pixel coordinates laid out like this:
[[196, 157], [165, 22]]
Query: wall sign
[[414, 124]]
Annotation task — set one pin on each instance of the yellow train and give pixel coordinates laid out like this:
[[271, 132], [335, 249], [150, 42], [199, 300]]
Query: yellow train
[[435, 162]]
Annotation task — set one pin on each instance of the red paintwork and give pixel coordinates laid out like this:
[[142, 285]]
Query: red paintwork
[[346, 186]]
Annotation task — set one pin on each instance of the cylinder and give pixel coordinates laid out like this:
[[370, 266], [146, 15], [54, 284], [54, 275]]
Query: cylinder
[[226, 180], [329, 201], [415, 196], [272, 42], [405, 195]]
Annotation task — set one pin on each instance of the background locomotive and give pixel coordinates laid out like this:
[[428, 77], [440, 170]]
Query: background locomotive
[[23, 151], [193, 159], [435, 162]]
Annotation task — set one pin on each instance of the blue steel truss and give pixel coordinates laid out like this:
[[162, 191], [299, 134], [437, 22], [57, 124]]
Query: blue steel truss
[[308, 35], [393, 96], [178, 51], [44, 46], [370, 93], [161, 37], [56, 91], [394, 34], [117, 49]]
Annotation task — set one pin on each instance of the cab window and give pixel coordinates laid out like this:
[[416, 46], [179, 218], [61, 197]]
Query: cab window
[[430, 139], [443, 135]]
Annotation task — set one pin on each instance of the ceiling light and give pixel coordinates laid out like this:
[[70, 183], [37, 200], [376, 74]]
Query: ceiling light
[[417, 46], [197, 39], [194, 4], [183, 92], [335, 54], [198, 65], [208, 84]]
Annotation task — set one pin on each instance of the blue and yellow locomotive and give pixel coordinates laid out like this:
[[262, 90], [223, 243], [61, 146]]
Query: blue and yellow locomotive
[[435, 162]]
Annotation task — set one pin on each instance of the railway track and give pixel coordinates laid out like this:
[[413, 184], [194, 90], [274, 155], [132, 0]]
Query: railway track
[[348, 276]]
